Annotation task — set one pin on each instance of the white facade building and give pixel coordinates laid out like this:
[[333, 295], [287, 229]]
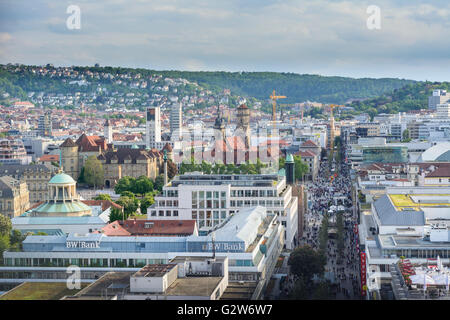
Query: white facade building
[[211, 199], [153, 127]]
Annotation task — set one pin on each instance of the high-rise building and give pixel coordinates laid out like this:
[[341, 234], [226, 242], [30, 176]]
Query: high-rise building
[[45, 124], [153, 126], [438, 97], [176, 121]]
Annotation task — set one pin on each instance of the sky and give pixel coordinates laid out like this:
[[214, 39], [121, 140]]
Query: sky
[[326, 37]]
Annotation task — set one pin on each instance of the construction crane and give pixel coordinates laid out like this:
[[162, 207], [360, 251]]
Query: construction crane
[[274, 98]]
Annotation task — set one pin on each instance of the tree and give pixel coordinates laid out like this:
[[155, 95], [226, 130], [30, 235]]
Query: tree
[[124, 184], [17, 237], [115, 214], [130, 205], [103, 196], [81, 176], [4, 243], [305, 262], [301, 168], [159, 183], [147, 202], [93, 172], [142, 185], [5, 225], [406, 136], [172, 169]]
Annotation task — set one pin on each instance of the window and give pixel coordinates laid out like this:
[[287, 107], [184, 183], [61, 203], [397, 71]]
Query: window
[[153, 213], [175, 213], [223, 194], [161, 213], [194, 215]]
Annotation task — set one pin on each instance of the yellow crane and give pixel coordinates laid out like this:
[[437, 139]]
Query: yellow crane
[[274, 98]]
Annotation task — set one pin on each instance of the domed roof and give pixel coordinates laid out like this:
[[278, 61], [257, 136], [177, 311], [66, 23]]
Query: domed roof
[[61, 178]]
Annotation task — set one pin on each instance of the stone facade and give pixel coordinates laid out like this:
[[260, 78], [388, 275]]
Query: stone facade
[[14, 197], [36, 177]]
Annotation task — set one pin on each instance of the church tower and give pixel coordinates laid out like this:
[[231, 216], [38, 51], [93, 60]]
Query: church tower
[[108, 133], [243, 122]]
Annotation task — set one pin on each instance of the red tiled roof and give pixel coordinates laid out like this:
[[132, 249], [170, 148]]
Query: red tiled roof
[[442, 171], [308, 143], [306, 154], [49, 157], [158, 228]]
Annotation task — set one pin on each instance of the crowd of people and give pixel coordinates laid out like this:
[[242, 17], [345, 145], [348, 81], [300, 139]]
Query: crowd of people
[[329, 195]]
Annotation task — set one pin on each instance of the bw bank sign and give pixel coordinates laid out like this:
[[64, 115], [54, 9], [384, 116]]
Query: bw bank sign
[[223, 247], [83, 244]]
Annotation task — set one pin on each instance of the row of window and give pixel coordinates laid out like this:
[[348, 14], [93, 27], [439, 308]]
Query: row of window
[[61, 262], [200, 215], [8, 205], [253, 193], [209, 195], [209, 204], [253, 203], [168, 203], [164, 213]]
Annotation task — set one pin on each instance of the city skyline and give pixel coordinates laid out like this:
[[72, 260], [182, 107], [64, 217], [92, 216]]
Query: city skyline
[[326, 37]]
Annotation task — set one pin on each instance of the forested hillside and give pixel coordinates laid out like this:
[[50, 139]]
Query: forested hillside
[[296, 87], [410, 97], [259, 85]]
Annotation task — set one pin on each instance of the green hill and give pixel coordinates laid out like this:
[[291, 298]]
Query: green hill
[[297, 87], [259, 85], [410, 97]]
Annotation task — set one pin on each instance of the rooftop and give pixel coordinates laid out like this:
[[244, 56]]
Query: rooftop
[[39, 291], [154, 270], [61, 178], [193, 286]]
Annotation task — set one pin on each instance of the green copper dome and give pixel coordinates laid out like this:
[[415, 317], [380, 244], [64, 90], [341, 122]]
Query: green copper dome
[[134, 146], [290, 158], [61, 178]]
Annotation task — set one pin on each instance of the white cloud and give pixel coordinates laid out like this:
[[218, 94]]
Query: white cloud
[[329, 36]]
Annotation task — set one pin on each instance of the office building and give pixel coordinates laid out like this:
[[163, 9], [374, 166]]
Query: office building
[[45, 125], [251, 239], [211, 199], [176, 121], [153, 127], [408, 222], [438, 97]]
